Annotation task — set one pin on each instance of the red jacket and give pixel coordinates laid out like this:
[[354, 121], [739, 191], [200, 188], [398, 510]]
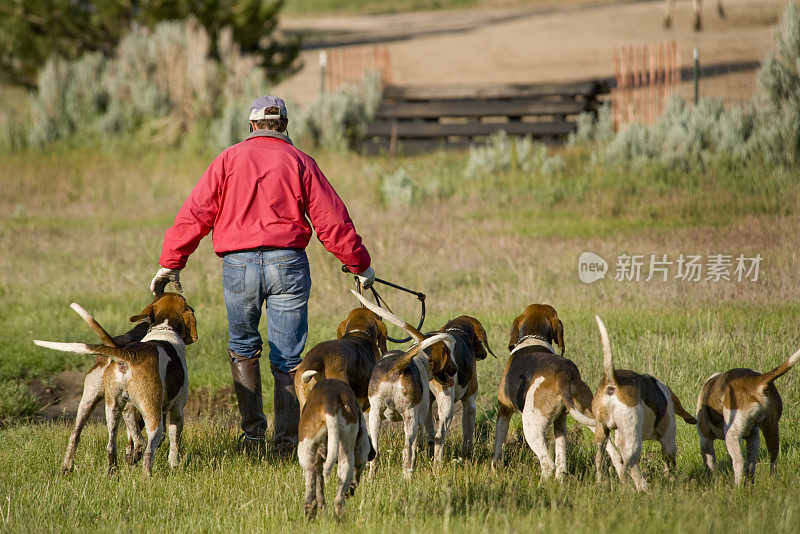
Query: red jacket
[[261, 193]]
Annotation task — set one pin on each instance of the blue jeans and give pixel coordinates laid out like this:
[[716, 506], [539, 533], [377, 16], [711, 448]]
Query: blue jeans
[[281, 277]]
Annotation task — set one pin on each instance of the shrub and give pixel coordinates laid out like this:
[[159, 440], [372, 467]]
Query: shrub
[[160, 84], [337, 121], [16, 401], [397, 189], [503, 154]]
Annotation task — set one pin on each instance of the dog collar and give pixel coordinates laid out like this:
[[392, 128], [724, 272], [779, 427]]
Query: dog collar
[[531, 340], [457, 329], [358, 331]]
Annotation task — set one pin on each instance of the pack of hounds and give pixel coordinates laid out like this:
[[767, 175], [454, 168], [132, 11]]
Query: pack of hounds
[[142, 375]]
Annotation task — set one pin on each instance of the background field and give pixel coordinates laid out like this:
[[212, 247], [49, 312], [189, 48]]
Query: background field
[[88, 228]]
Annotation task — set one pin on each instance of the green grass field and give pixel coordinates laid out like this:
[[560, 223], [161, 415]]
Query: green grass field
[[87, 226]]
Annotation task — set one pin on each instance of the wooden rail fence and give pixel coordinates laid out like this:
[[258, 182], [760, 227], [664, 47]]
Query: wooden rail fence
[[646, 76], [424, 118]]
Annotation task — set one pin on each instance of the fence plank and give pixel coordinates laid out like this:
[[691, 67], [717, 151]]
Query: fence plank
[[479, 108], [423, 130]]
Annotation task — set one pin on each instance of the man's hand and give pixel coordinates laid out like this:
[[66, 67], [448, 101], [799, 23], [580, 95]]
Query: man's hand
[[366, 278], [165, 276]]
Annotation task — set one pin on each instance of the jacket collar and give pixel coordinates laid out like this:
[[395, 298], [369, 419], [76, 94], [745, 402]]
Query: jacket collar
[[271, 133]]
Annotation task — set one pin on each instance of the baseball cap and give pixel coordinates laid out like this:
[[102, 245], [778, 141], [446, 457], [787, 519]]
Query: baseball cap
[[261, 104]]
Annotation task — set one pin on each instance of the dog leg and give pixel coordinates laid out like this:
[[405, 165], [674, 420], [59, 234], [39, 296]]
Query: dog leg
[[430, 430], [669, 450], [732, 437], [753, 441], [411, 430], [468, 424], [319, 483], [345, 472], [601, 439], [374, 431], [113, 412], [92, 394], [708, 453], [445, 404], [175, 431], [616, 459], [534, 425], [500, 433], [310, 505], [770, 430], [155, 431], [136, 443], [560, 433]]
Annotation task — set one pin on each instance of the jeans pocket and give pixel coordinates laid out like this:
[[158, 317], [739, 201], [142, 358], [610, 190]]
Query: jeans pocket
[[295, 274], [233, 277]]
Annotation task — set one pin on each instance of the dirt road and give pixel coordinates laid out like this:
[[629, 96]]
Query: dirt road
[[538, 43]]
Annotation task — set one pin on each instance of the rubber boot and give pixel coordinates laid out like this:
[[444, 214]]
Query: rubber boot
[[287, 414], [247, 384]]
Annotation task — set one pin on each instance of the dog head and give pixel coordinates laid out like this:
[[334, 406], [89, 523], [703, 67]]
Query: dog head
[[364, 320], [538, 320], [474, 329], [172, 308]]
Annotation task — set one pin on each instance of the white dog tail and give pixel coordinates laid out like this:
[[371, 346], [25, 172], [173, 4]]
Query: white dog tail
[[99, 330], [332, 457], [308, 376], [415, 334], [113, 353], [768, 377], [608, 360], [405, 360]]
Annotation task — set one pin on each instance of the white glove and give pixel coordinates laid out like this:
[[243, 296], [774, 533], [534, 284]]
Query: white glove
[[163, 277], [366, 278]]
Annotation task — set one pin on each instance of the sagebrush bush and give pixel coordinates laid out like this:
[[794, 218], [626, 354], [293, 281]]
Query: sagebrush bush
[[503, 154], [160, 86], [337, 120], [397, 189], [16, 401]]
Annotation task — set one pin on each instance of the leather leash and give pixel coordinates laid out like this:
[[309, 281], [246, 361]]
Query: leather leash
[[380, 301]]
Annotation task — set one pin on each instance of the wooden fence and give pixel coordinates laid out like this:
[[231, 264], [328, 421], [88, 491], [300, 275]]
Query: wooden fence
[[349, 65], [646, 76], [423, 118]]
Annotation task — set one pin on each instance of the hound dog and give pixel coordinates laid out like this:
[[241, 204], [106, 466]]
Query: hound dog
[[332, 430], [543, 385], [94, 391], [637, 407], [399, 388], [471, 345], [735, 405], [151, 375], [361, 341]]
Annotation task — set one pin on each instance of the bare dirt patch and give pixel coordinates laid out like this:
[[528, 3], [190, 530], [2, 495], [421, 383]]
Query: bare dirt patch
[[564, 41]]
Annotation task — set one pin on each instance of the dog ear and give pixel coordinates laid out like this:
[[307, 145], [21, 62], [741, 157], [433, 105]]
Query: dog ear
[[342, 330], [190, 324], [514, 335], [558, 332], [146, 313], [480, 340], [382, 335]]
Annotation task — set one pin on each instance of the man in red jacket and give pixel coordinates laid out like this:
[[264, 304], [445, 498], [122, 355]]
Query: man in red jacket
[[258, 196]]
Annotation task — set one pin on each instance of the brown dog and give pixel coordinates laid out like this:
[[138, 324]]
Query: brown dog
[[360, 343], [543, 385], [332, 431], [94, 391], [470, 340], [637, 407], [733, 406], [151, 374]]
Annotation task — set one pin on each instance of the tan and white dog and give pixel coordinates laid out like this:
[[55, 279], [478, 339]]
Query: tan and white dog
[[332, 431], [399, 389], [471, 345], [151, 375], [360, 342], [94, 391], [735, 405], [637, 407], [543, 385]]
